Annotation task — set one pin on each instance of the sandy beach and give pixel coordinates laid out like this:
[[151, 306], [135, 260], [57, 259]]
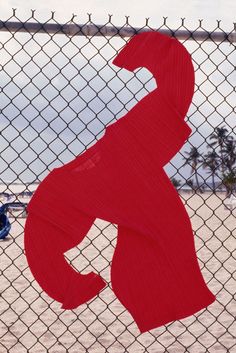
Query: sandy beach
[[31, 322]]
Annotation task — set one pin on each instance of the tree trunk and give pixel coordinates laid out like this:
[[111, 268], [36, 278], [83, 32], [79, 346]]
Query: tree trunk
[[197, 181], [222, 159], [213, 183]]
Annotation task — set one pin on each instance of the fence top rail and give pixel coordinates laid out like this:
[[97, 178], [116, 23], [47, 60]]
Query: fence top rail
[[73, 29]]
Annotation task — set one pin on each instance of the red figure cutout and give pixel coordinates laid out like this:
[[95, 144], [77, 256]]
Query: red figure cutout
[[154, 272]]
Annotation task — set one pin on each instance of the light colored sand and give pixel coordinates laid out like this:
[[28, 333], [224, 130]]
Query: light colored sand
[[31, 322]]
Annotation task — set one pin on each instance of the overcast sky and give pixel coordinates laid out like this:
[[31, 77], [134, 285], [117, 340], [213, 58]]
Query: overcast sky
[[192, 10]]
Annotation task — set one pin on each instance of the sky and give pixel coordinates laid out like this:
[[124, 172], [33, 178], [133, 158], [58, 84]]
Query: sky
[[191, 10]]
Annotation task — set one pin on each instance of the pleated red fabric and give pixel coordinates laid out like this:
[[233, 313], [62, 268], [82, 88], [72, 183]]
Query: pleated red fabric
[[155, 273]]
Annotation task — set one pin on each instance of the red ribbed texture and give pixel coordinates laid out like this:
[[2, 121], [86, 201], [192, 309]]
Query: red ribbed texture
[[155, 272]]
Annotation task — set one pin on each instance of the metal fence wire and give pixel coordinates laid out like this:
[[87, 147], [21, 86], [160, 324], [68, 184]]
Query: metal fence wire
[[59, 90]]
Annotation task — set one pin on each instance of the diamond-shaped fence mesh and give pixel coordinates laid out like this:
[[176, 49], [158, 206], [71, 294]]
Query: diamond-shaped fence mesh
[[59, 90]]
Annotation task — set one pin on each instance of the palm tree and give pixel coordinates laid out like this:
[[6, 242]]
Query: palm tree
[[176, 182], [229, 154], [189, 182], [220, 136], [211, 161], [229, 180], [193, 159]]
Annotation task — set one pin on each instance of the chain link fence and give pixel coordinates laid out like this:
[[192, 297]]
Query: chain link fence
[[59, 90]]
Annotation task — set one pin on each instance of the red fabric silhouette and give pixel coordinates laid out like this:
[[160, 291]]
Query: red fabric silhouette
[[154, 272]]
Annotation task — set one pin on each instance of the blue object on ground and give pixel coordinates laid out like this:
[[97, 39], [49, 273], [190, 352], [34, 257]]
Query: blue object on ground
[[5, 225]]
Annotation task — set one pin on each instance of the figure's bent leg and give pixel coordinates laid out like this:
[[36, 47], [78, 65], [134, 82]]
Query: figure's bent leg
[[151, 286], [45, 245]]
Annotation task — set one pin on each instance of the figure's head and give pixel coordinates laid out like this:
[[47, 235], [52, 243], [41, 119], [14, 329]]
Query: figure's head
[[169, 62], [143, 50]]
